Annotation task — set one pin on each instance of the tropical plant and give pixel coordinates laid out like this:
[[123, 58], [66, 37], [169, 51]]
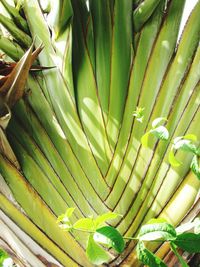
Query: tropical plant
[[73, 139], [102, 237]]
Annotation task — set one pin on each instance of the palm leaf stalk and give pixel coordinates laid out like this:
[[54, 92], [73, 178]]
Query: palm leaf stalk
[[71, 138]]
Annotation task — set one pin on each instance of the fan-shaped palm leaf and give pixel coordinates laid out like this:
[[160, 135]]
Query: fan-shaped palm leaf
[[73, 132]]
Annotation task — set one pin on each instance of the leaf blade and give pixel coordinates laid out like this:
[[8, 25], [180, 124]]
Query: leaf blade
[[117, 241], [147, 257], [95, 253], [156, 231], [189, 242]]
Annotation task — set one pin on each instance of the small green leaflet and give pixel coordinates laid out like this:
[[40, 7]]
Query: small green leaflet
[[191, 137], [65, 217], [84, 224], [147, 257], [159, 131], [185, 143], [101, 219], [157, 231], [96, 254], [139, 114], [116, 240], [69, 212], [158, 121], [64, 220], [172, 159], [91, 224], [195, 166], [189, 242]]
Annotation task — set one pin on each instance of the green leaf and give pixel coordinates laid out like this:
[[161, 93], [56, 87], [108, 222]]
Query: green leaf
[[19, 35], [64, 15], [172, 159], [160, 132], [143, 12], [105, 217], [69, 212], [173, 247], [185, 145], [191, 137], [195, 166], [95, 253], [147, 257], [18, 19], [116, 240], [144, 139], [189, 242], [84, 224], [102, 239], [139, 114], [3, 256], [177, 139], [66, 216], [158, 121], [198, 152], [157, 231], [64, 220]]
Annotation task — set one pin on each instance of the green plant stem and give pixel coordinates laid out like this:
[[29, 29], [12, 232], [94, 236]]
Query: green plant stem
[[124, 237], [173, 247]]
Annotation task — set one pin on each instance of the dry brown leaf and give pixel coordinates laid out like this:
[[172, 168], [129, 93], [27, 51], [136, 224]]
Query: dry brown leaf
[[13, 86]]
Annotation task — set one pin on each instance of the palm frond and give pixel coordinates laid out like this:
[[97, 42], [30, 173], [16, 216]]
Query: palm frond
[[74, 133]]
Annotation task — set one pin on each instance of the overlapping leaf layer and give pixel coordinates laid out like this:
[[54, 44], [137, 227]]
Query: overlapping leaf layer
[[73, 132]]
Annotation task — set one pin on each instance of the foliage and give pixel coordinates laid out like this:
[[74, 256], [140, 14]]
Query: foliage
[[5, 260], [186, 143], [156, 230], [157, 130], [76, 78]]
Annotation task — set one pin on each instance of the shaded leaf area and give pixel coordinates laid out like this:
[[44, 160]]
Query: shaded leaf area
[[188, 242], [95, 253], [116, 240], [108, 75], [147, 257]]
